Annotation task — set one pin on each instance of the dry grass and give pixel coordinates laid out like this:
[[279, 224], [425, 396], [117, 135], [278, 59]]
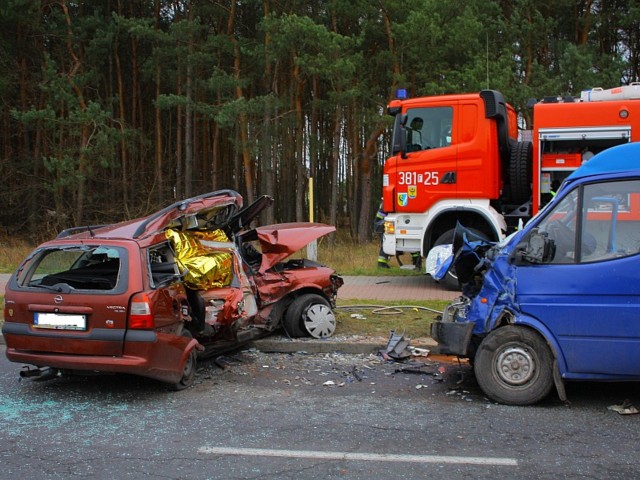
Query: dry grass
[[352, 258], [12, 252], [345, 256]]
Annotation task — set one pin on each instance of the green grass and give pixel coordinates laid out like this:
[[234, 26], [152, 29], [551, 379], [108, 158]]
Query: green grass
[[410, 318]]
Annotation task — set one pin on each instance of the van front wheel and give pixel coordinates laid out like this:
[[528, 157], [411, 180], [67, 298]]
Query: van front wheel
[[513, 366]]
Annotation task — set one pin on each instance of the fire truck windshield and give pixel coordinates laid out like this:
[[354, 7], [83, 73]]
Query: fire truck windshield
[[427, 128]]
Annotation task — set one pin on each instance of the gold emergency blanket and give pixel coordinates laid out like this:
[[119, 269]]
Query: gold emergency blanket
[[206, 268]]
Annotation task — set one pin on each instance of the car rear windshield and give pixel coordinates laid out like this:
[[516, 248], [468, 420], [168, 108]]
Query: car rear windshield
[[80, 267]]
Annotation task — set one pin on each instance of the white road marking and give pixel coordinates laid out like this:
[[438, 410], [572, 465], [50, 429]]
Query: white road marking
[[367, 457]]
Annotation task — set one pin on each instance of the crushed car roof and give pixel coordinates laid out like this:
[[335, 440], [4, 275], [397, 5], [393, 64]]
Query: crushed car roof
[[214, 210]]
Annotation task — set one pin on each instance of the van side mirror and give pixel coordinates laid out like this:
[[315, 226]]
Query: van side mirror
[[537, 248]]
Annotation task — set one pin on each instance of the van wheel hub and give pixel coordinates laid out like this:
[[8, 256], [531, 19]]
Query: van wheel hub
[[515, 366]]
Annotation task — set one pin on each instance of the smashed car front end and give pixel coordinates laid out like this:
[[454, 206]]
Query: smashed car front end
[[278, 275], [488, 287]]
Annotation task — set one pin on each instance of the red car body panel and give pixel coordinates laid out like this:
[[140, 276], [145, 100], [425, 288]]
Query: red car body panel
[[282, 240]]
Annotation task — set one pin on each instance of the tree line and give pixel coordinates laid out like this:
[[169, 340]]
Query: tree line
[[114, 108]]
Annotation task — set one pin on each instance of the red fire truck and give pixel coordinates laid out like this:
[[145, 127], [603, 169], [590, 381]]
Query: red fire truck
[[460, 159]]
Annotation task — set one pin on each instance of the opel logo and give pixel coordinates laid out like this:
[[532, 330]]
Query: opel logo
[[57, 299]]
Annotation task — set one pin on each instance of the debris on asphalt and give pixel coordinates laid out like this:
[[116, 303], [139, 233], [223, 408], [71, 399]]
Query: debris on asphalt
[[335, 371], [225, 362], [462, 394], [419, 352], [419, 368], [397, 347], [625, 408]]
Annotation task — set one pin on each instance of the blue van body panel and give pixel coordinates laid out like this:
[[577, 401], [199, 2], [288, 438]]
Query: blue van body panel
[[589, 313]]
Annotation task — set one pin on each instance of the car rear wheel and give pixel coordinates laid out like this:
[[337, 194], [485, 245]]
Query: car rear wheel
[[189, 371], [310, 314], [513, 366]]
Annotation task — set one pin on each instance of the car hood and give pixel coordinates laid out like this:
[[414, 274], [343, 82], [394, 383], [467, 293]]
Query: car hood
[[282, 240]]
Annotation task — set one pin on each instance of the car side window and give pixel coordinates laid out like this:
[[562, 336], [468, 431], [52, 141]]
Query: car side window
[[162, 265], [559, 225]]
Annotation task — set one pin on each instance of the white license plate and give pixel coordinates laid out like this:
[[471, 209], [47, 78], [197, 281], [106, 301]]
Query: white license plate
[[59, 321]]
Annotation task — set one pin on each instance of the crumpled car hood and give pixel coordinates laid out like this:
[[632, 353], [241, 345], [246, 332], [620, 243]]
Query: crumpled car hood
[[284, 239]]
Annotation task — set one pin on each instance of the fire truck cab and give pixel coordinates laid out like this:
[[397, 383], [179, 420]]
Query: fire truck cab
[[456, 159]]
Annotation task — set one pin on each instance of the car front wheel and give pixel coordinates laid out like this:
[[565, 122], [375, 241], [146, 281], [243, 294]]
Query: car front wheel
[[513, 366], [311, 314]]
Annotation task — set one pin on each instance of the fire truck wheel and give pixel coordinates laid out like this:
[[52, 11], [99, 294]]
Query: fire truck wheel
[[513, 366], [520, 173]]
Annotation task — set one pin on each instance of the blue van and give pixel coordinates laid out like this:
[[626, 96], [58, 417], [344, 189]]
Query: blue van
[[558, 300]]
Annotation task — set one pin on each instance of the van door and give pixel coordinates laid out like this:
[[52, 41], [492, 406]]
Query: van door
[[587, 293]]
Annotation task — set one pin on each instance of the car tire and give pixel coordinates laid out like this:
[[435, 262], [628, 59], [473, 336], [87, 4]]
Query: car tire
[[514, 366], [310, 314], [189, 371]]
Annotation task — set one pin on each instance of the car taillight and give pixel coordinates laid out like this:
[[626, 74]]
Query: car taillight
[[140, 315]]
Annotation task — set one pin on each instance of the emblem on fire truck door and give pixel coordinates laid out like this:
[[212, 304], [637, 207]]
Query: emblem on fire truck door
[[412, 191], [403, 199]]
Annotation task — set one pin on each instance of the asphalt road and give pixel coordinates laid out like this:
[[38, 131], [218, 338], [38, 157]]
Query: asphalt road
[[275, 416]]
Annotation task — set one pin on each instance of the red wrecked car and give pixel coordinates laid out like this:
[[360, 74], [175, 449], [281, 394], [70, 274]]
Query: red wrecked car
[[150, 296]]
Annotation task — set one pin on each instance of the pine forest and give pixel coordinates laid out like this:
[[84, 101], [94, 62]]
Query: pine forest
[[112, 109]]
